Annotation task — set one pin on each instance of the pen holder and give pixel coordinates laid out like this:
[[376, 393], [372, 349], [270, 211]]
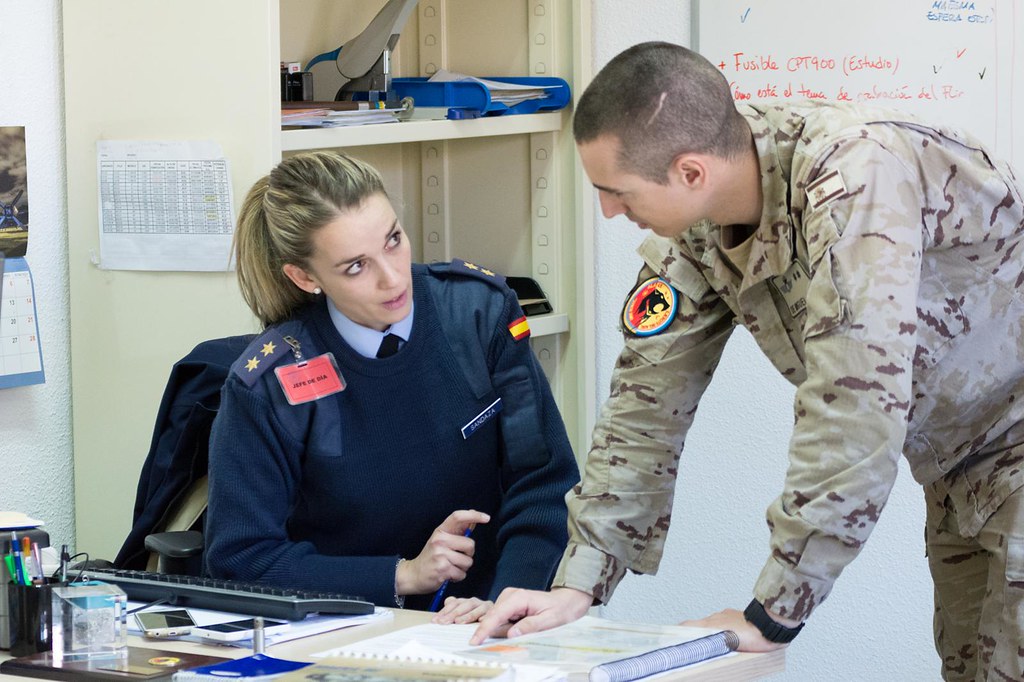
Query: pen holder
[[31, 621], [89, 621]]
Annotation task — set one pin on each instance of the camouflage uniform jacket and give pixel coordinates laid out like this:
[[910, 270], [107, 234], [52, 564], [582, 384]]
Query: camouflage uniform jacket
[[884, 281]]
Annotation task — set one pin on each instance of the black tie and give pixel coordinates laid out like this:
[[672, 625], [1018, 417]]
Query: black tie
[[389, 345]]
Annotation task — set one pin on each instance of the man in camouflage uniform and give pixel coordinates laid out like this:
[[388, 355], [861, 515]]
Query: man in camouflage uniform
[[878, 263]]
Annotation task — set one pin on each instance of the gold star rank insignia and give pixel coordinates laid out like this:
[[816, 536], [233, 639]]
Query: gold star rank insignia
[[477, 271], [268, 348], [252, 364]]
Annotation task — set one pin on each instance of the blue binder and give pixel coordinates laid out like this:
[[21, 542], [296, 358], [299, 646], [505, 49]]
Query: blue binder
[[473, 98]]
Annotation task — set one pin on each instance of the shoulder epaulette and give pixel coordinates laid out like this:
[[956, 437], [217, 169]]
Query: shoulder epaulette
[[260, 356], [467, 269]]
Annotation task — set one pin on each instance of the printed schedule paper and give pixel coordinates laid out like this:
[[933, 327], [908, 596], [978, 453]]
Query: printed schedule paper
[[164, 205], [21, 357]]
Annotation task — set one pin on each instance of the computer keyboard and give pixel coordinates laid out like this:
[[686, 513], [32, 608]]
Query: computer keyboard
[[229, 595]]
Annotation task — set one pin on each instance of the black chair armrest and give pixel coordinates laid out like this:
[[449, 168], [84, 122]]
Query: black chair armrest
[[174, 548]]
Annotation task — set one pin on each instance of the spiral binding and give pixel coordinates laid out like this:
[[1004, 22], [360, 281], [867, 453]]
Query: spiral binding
[[667, 658], [391, 658], [460, 671]]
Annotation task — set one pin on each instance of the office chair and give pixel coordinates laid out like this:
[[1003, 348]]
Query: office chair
[[170, 501]]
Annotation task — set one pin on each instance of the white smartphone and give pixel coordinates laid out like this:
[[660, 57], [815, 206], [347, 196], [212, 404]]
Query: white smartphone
[[158, 624], [237, 629]]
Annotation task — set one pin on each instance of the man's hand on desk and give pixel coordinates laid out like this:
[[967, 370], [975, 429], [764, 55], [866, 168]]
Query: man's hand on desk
[[520, 612], [459, 610], [751, 638]]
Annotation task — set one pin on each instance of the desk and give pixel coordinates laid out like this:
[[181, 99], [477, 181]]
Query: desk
[[728, 669]]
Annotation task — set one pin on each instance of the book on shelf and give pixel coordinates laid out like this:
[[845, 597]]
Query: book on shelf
[[400, 669], [337, 114]]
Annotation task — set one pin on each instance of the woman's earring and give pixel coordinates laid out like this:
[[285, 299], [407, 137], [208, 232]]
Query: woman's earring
[[318, 291]]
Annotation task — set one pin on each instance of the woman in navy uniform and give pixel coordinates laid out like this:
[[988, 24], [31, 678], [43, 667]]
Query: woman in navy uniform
[[391, 429]]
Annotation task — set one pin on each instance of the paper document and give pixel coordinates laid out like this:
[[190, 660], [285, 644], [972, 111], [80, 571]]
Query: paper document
[[508, 94], [14, 519], [609, 650], [164, 205], [311, 625], [602, 649], [434, 642]]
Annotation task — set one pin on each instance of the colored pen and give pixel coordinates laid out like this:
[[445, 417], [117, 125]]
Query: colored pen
[[444, 586], [9, 560], [64, 559], [27, 560], [19, 565], [38, 556]]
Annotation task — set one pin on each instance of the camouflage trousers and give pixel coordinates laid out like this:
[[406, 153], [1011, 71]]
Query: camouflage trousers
[[979, 583]]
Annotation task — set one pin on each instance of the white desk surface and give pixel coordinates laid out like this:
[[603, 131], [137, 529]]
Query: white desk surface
[[729, 669]]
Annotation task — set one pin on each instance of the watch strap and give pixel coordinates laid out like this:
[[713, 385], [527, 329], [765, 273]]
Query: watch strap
[[771, 629]]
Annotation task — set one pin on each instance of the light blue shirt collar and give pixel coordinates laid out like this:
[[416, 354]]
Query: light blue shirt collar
[[364, 340]]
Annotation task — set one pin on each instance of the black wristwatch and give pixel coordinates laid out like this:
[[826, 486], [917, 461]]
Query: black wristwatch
[[772, 630]]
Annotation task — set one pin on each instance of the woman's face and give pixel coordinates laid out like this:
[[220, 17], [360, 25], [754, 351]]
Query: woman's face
[[363, 263]]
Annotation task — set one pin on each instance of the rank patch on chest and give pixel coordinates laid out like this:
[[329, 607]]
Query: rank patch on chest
[[792, 287], [825, 189], [650, 308]]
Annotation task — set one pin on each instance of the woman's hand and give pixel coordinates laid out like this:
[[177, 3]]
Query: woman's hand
[[447, 555], [459, 610]]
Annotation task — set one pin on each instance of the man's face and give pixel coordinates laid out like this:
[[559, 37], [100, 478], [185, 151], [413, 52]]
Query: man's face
[[667, 210]]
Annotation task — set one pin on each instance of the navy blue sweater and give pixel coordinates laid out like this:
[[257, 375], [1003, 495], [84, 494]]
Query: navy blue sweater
[[329, 494]]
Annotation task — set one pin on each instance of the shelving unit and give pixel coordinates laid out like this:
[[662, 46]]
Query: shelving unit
[[421, 131], [503, 191]]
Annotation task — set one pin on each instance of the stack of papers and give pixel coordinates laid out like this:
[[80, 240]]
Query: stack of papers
[[508, 94], [14, 519], [313, 624], [325, 118]]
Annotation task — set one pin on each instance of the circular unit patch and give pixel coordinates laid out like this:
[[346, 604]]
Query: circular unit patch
[[650, 308]]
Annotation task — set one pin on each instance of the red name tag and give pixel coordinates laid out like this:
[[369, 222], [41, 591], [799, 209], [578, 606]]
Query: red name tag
[[311, 380]]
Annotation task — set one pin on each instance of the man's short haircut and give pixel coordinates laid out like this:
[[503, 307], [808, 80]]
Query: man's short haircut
[[661, 100]]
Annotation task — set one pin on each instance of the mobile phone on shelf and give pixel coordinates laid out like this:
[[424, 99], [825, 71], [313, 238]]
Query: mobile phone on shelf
[[159, 624], [237, 629]]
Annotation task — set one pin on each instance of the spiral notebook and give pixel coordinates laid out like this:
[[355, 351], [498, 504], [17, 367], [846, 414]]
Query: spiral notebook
[[601, 649], [610, 651], [370, 668]]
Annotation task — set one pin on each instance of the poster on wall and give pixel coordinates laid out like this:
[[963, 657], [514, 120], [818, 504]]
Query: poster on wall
[[164, 205], [13, 192], [21, 358]]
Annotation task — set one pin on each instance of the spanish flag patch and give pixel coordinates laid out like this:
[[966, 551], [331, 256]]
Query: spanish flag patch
[[519, 329]]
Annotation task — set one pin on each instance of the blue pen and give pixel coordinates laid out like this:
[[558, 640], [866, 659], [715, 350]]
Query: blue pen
[[19, 563], [440, 591]]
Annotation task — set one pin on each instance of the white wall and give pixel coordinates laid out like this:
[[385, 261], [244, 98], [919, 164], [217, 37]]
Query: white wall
[[36, 467], [876, 625]]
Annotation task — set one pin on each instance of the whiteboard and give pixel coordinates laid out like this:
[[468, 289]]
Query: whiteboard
[[947, 61]]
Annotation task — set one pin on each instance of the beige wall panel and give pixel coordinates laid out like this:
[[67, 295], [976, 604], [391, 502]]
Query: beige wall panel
[[150, 71]]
